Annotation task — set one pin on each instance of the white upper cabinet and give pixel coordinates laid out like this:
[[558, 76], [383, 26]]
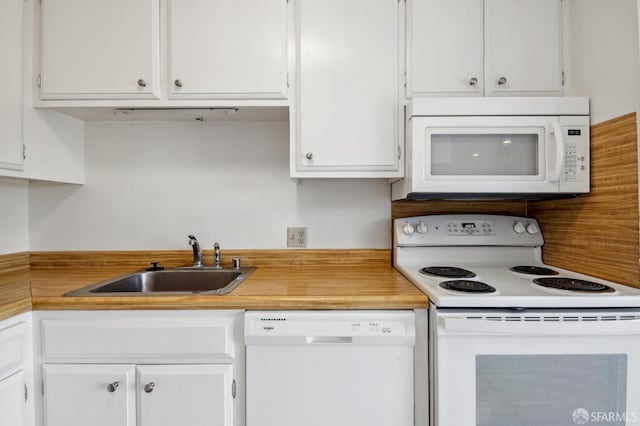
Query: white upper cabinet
[[11, 22], [445, 47], [227, 48], [347, 114], [108, 53], [96, 49], [523, 41], [484, 47]]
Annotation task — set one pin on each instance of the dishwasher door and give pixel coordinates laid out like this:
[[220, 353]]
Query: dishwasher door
[[330, 368]]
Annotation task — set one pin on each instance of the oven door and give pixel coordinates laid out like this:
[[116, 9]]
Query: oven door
[[535, 368], [487, 154]]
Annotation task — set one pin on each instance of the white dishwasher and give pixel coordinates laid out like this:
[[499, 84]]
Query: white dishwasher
[[330, 368]]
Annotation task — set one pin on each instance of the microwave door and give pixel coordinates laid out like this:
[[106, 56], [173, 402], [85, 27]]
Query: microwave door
[[489, 155]]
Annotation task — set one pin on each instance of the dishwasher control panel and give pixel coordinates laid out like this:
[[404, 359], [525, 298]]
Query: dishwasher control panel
[[343, 327]]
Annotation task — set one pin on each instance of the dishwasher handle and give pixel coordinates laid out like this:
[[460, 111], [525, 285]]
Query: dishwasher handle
[[324, 340]]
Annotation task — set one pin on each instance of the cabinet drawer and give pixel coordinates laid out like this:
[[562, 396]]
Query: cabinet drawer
[[11, 349], [138, 338]]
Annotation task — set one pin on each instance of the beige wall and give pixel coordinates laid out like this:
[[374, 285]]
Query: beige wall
[[148, 185], [14, 216], [604, 56]]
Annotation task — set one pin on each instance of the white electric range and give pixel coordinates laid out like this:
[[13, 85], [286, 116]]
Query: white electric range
[[515, 341]]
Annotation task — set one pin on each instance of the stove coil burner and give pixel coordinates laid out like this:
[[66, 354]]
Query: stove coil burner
[[573, 284], [533, 270], [467, 286], [447, 272]]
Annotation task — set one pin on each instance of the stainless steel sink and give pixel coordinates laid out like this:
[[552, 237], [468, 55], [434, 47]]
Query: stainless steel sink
[[179, 281]]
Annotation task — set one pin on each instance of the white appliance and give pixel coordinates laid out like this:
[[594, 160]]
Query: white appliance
[[513, 341], [488, 148], [338, 368]]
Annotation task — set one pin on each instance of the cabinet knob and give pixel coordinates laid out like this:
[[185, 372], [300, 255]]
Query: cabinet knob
[[178, 83], [473, 81], [308, 156], [502, 81], [142, 83], [111, 387], [148, 388]]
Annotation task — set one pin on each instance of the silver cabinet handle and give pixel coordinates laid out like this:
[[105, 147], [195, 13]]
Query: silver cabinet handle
[[148, 388], [473, 81], [308, 155], [502, 81], [178, 83], [111, 387], [142, 83]]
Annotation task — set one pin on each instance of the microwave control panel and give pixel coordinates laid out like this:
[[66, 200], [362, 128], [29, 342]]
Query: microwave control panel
[[576, 154]]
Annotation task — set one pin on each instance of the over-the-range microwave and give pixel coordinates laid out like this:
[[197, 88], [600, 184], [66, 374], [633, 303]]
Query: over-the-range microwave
[[495, 148]]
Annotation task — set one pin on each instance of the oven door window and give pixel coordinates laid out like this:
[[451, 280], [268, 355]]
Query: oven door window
[[540, 390], [473, 153]]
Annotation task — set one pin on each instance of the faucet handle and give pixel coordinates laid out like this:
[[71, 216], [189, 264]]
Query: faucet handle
[[235, 263]]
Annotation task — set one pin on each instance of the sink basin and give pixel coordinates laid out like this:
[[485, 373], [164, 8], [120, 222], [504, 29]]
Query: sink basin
[[169, 282]]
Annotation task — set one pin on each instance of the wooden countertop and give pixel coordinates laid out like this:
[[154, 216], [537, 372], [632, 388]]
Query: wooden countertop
[[329, 279], [15, 294], [15, 291], [299, 287]]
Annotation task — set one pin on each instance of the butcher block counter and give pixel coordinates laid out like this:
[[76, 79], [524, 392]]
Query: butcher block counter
[[284, 279]]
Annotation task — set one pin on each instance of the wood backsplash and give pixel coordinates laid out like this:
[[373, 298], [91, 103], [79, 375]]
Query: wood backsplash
[[597, 233]]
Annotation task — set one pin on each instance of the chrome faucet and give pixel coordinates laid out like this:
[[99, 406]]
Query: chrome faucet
[[197, 252], [216, 256]]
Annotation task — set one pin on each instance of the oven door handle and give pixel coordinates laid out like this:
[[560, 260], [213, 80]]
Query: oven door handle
[[556, 130], [463, 326]]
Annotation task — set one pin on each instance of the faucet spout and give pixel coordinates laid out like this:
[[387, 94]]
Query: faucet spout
[[197, 251], [216, 256]]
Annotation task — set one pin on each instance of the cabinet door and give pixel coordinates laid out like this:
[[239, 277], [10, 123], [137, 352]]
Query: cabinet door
[[445, 47], [95, 49], [347, 101], [178, 395], [523, 42], [12, 393], [227, 48], [11, 22], [82, 395]]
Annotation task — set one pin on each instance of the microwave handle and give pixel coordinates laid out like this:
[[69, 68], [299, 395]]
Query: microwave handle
[[556, 130]]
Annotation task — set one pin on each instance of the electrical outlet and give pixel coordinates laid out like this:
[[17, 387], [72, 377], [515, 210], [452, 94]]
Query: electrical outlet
[[296, 237]]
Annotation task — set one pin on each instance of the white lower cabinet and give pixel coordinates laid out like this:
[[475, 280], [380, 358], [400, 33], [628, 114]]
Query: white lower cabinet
[[15, 373], [12, 400], [155, 395], [176, 395], [140, 368], [97, 395]]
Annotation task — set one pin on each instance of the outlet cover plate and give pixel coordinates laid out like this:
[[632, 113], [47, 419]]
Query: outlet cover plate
[[296, 237]]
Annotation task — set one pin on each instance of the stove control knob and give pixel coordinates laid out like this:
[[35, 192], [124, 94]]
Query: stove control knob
[[532, 229], [519, 228], [422, 228], [408, 229]]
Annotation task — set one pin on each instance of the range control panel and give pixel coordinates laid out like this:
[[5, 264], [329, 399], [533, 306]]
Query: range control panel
[[467, 230], [470, 228]]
